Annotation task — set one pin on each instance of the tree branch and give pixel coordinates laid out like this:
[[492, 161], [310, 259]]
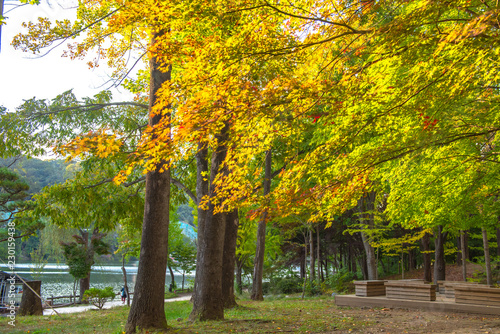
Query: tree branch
[[182, 187]]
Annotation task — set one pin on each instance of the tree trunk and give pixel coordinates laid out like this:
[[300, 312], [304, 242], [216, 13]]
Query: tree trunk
[[202, 185], [459, 249], [463, 258], [172, 279], [487, 261], [466, 243], [402, 263], [312, 264], [147, 310], [365, 206], [31, 304], [318, 252], [84, 286], [208, 302], [125, 283], [498, 242], [258, 269], [498, 247], [302, 269], [305, 266], [229, 259], [439, 261], [239, 268], [412, 260], [427, 257], [364, 267]]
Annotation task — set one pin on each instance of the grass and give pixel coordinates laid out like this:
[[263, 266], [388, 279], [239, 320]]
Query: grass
[[281, 315]]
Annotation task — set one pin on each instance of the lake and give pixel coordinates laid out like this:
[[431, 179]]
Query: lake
[[56, 280]]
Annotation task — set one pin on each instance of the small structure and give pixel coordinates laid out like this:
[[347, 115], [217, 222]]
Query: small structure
[[369, 288], [410, 290], [11, 291], [477, 294], [418, 294]]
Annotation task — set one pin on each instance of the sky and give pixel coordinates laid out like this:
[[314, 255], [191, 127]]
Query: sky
[[24, 75]]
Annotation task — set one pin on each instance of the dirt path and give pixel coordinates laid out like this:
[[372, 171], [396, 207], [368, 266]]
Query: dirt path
[[397, 321]]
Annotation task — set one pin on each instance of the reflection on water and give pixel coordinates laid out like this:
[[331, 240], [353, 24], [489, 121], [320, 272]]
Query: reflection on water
[[56, 280]]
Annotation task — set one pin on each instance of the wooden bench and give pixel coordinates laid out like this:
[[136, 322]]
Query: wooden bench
[[369, 288], [411, 290], [477, 294], [449, 287]]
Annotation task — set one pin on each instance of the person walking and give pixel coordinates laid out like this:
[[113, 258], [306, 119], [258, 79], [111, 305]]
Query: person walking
[[124, 295]]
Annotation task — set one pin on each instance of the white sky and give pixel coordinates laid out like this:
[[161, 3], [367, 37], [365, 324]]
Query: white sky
[[24, 76]]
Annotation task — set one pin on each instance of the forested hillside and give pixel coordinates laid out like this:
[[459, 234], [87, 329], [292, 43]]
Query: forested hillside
[[39, 173]]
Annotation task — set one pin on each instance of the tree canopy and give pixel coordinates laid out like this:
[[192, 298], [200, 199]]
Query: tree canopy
[[384, 108]]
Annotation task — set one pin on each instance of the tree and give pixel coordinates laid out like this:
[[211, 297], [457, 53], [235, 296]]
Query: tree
[[208, 301], [14, 199], [79, 255], [261, 235], [147, 310], [184, 254], [380, 95], [31, 302]]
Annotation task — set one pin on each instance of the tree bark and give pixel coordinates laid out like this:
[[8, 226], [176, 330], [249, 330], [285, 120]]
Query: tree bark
[[258, 269], [229, 258], [302, 268], [208, 302], [84, 286], [318, 255], [312, 272], [202, 185], [498, 242], [412, 260], [305, 265], [125, 283], [147, 310], [366, 205], [463, 258], [459, 248], [439, 261], [427, 257], [487, 260], [31, 304], [364, 267], [239, 282], [89, 253], [172, 278]]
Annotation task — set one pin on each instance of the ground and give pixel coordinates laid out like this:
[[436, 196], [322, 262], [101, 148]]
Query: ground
[[277, 314], [414, 321], [396, 321]]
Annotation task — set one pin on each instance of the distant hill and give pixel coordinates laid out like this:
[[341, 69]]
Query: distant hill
[[38, 173]]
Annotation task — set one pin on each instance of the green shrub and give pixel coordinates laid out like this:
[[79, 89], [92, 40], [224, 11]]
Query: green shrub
[[98, 297], [289, 284], [266, 288], [313, 288], [341, 281]]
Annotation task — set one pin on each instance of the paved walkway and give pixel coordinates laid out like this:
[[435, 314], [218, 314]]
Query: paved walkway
[[113, 303]]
